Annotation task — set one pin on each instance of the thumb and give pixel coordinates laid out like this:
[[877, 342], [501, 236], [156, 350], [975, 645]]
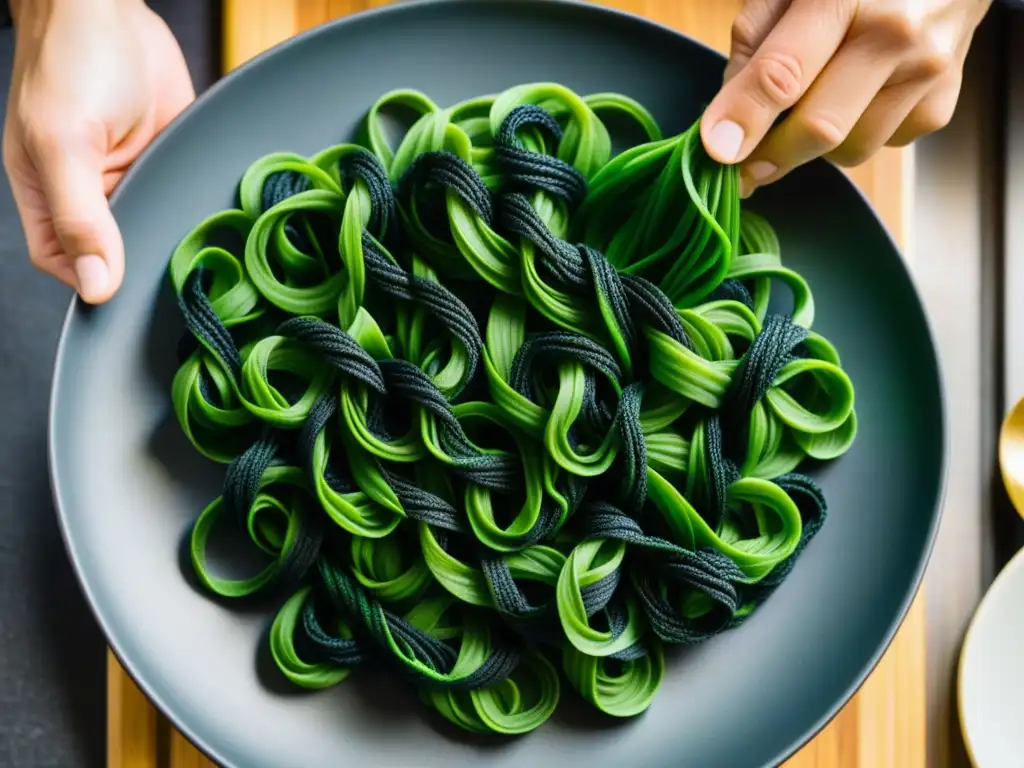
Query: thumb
[[71, 180]]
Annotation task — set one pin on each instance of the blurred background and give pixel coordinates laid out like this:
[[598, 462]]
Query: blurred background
[[967, 237]]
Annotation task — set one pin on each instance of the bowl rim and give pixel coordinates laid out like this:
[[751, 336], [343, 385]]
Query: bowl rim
[[77, 308]]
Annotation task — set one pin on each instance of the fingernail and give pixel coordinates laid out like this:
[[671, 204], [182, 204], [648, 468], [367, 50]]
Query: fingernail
[[725, 140], [92, 276], [753, 175], [747, 187], [760, 170]]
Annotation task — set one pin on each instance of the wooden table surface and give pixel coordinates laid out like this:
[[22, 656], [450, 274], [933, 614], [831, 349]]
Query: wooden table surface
[[883, 726]]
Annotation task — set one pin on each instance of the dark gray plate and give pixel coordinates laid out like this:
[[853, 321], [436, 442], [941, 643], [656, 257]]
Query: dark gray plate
[[127, 484]]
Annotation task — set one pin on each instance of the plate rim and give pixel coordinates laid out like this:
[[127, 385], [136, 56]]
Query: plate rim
[[79, 308], [984, 607]]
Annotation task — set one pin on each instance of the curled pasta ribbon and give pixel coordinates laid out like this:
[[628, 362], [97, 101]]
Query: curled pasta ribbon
[[495, 400]]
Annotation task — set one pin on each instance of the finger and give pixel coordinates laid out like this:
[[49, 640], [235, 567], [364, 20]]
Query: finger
[[71, 180], [878, 123], [824, 117], [932, 113], [749, 30], [780, 72], [905, 110], [44, 249]]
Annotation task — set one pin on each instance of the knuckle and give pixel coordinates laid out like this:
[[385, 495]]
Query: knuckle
[[932, 118], [824, 129], [928, 117], [933, 59], [850, 156], [927, 65], [744, 34], [933, 65], [76, 231], [777, 80], [897, 28]]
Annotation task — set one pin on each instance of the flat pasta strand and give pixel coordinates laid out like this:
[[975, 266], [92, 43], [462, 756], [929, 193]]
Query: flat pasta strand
[[497, 401]]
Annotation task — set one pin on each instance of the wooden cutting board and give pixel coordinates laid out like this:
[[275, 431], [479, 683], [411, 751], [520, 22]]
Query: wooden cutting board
[[884, 725]]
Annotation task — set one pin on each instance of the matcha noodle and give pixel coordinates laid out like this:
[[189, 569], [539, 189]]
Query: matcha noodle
[[501, 406]]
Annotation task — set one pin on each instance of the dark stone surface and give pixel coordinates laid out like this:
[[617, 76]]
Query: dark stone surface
[[52, 656]]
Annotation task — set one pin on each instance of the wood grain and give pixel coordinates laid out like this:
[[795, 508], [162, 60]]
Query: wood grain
[[883, 726], [184, 755], [131, 722]]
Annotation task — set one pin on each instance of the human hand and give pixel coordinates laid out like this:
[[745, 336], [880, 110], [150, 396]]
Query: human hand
[[94, 81], [856, 74]]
